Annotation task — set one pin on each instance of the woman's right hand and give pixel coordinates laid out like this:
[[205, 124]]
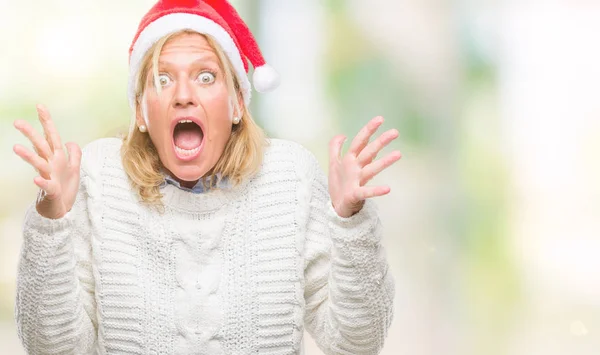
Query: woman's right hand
[[59, 175]]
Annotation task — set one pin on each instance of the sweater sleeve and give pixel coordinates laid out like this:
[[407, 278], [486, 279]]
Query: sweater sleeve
[[348, 289], [55, 308]]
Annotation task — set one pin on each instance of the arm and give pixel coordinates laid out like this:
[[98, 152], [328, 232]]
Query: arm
[[348, 289], [55, 307]]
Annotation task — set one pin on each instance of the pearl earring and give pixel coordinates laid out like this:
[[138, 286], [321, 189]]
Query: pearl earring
[[143, 129], [236, 120]]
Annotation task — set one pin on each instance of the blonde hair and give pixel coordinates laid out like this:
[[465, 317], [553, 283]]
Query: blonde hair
[[243, 152]]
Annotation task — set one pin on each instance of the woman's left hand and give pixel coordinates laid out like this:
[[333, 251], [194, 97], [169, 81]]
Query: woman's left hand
[[349, 174]]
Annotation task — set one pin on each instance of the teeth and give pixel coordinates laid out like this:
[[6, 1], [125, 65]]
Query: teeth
[[185, 121], [187, 152]]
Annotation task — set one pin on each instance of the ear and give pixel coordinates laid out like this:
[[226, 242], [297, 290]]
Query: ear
[[139, 116], [240, 104]]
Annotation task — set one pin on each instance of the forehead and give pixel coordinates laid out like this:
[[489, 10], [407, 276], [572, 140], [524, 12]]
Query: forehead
[[193, 44]]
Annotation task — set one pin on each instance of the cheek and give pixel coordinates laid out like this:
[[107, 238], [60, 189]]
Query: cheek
[[154, 116], [220, 130], [152, 110], [219, 134], [218, 111]]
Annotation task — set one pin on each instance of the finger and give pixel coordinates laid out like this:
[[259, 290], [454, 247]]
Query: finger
[[49, 128], [40, 164], [369, 153], [47, 185], [41, 182], [362, 138], [74, 155], [374, 168], [365, 192], [335, 147], [39, 143]]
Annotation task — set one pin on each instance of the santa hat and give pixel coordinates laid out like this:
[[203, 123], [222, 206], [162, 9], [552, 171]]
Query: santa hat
[[216, 18]]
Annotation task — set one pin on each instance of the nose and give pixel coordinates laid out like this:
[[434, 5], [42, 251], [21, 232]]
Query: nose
[[184, 95]]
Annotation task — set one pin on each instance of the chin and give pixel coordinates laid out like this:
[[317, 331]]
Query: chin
[[187, 173]]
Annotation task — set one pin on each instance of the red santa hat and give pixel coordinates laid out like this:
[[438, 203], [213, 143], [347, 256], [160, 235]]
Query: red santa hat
[[216, 18]]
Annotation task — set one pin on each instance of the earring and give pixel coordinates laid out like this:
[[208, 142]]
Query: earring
[[236, 120], [143, 129]]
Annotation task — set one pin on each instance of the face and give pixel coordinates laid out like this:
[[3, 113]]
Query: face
[[190, 121]]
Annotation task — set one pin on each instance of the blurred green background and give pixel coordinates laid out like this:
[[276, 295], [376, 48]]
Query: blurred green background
[[492, 228]]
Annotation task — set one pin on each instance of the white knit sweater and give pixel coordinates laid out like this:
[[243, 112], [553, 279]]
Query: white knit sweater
[[235, 271]]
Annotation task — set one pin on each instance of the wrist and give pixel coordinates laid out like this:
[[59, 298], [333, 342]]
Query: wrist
[[49, 210], [348, 211]]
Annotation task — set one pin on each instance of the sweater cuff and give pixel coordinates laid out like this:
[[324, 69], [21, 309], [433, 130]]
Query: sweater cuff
[[359, 229], [46, 227]]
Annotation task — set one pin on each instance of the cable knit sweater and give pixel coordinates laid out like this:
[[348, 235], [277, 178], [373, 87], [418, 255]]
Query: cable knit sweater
[[241, 270]]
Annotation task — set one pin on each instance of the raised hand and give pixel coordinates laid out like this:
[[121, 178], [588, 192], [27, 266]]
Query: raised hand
[[349, 174], [58, 178]]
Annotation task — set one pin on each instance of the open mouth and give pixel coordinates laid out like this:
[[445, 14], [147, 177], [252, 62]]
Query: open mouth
[[187, 139]]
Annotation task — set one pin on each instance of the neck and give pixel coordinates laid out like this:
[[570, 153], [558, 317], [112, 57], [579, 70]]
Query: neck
[[186, 184], [182, 183]]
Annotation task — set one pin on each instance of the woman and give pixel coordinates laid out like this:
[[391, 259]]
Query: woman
[[195, 234]]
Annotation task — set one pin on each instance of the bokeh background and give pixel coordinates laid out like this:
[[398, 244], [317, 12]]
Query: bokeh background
[[493, 225]]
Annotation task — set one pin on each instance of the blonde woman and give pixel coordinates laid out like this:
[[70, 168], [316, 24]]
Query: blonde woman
[[195, 234]]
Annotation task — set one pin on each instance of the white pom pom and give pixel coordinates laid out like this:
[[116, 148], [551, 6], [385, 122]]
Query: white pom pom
[[265, 78]]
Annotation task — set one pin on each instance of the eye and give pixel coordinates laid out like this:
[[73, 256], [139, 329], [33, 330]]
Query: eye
[[164, 80], [206, 77]]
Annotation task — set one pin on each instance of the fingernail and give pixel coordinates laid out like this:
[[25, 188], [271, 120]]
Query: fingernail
[[377, 121]]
